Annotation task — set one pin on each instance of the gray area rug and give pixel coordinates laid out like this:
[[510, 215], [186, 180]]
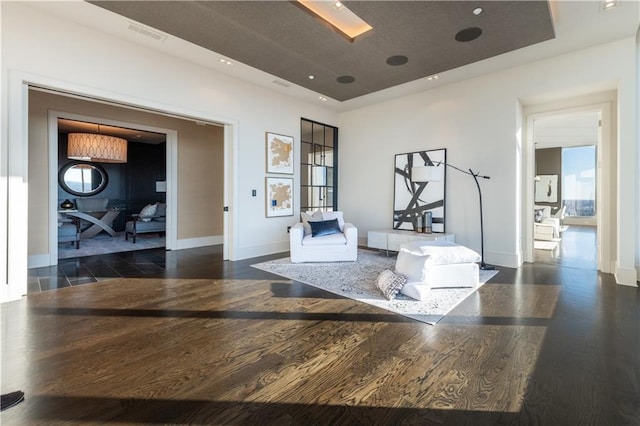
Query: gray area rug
[[104, 243], [357, 280]]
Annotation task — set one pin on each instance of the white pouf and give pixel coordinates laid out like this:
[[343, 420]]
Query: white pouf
[[436, 264]]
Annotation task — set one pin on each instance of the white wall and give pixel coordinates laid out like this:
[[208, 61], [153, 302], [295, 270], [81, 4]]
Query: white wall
[[66, 54], [478, 122]]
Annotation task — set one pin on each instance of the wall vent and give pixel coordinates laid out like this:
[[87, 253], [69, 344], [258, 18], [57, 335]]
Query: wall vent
[[147, 32], [281, 83]]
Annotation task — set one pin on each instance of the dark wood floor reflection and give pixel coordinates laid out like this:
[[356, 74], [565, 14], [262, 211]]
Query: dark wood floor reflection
[[203, 341], [576, 249]]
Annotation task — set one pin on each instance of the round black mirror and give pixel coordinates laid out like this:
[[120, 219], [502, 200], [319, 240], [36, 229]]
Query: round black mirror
[[83, 179]]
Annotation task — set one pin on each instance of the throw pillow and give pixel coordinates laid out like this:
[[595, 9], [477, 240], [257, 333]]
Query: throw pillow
[[411, 265], [418, 291], [306, 217], [390, 283], [334, 215], [441, 252], [538, 215], [148, 212], [325, 227]]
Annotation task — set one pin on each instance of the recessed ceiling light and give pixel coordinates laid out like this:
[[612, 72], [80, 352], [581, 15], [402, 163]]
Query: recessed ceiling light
[[477, 11], [225, 61], [433, 77], [468, 34], [609, 4], [322, 98], [337, 5], [311, 77]]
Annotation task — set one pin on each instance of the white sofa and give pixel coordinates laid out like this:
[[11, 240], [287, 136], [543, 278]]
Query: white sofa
[[338, 247]]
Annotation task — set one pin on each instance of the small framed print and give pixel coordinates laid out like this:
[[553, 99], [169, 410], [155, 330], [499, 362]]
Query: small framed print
[[279, 197], [279, 153]]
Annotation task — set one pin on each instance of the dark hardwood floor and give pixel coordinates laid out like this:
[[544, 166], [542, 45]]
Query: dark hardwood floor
[[576, 249], [203, 341]]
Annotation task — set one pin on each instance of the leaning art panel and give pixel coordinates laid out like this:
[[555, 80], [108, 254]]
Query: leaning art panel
[[412, 200]]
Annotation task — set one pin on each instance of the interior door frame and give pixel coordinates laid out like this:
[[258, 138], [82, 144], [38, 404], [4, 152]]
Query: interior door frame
[[171, 174], [604, 176], [14, 263]]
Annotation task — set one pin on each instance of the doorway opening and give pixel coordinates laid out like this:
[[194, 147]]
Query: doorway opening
[[565, 229], [99, 202]]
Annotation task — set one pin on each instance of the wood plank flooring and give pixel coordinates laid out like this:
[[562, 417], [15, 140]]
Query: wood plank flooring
[[212, 342]]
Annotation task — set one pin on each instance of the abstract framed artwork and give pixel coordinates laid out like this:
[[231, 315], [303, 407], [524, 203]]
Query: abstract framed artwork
[[411, 200], [279, 197], [546, 189], [279, 153]]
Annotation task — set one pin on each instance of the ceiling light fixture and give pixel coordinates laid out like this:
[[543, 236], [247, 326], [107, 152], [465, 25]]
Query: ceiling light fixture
[[311, 77], [433, 77], [322, 98], [338, 16], [477, 11], [96, 147], [609, 4], [225, 61]]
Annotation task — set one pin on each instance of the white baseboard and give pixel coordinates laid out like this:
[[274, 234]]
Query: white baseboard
[[262, 250], [626, 276], [188, 243], [38, 261], [507, 260]]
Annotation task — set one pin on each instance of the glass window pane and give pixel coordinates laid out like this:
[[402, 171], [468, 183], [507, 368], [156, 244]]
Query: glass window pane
[[579, 180], [330, 176], [306, 157], [328, 136], [305, 174], [318, 154], [306, 131], [328, 156], [304, 198]]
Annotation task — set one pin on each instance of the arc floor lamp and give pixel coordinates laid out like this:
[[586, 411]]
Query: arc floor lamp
[[435, 173]]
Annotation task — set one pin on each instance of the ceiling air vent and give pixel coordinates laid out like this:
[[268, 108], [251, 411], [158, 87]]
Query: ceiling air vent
[[281, 83], [147, 32]]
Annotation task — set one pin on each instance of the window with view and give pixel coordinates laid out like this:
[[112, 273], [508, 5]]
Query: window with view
[[579, 181]]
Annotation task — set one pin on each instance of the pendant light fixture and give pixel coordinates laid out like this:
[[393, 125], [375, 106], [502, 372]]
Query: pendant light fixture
[[96, 148]]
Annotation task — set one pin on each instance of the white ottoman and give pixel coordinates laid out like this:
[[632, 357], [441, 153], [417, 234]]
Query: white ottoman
[[436, 264]]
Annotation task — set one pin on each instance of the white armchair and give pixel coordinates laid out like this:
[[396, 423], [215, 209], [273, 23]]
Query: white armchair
[[547, 230], [336, 247], [549, 226]]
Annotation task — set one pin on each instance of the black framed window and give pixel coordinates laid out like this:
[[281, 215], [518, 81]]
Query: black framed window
[[318, 166]]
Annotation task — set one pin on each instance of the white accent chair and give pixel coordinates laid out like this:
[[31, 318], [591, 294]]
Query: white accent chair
[[549, 227], [338, 247]]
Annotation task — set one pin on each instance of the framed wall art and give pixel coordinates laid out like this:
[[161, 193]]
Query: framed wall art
[[279, 153], [412, 200], [546, 189], [279, 196]]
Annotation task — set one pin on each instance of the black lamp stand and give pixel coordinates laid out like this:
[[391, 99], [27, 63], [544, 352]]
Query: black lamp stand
[[475, 175], [483, 265]]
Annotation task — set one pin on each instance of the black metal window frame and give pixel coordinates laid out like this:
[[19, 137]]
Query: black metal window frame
[[318, 166]]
